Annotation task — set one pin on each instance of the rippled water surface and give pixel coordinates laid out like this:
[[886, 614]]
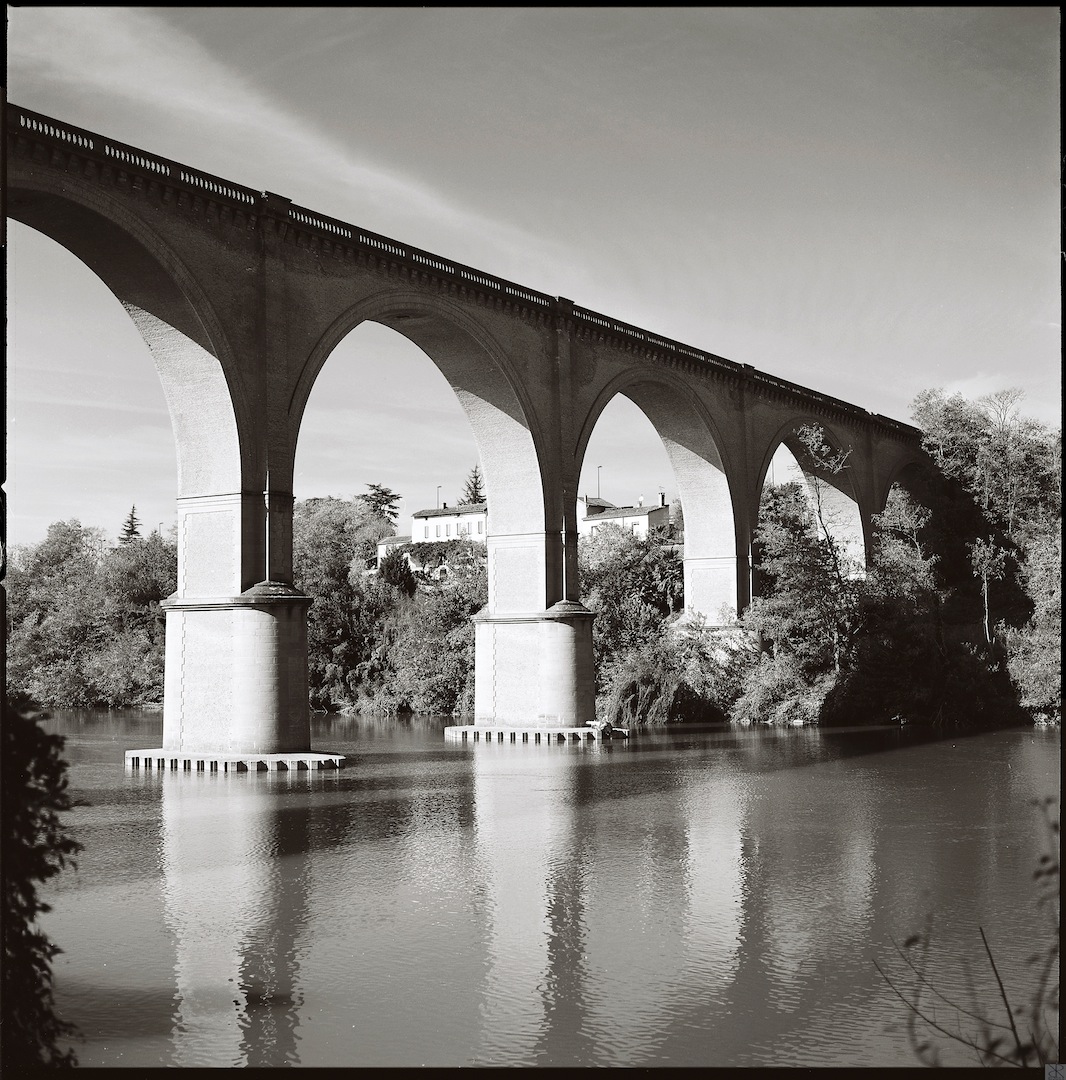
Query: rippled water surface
[[707, 897]]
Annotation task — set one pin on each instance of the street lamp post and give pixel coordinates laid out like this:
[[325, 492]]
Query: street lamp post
[[598, 467]]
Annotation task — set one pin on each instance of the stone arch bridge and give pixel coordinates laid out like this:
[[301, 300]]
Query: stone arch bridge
[[241, 296]]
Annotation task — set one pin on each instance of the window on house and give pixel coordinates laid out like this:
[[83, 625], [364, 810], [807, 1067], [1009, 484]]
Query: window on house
[[427, 532], [479, 528], [634, 526], [438, 530], [447, 530]]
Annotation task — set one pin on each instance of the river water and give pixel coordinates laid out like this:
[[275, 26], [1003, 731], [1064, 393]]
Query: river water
[[710, 897]]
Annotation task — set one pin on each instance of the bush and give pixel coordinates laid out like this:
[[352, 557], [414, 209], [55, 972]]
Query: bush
[[85, 628], [687, 674], [36, 848]]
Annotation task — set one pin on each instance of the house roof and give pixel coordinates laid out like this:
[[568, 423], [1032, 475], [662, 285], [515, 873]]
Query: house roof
[[452, 511], [601, 504], [624, 512], [392, 541]]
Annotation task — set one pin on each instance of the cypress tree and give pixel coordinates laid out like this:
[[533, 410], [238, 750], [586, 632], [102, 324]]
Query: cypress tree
[[130, 528], [474, 491]]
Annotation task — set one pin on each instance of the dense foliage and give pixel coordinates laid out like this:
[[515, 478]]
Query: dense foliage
[[953, 617], [1010, 467], [33, 794], [84, 624], [956, 620], [390, 640]]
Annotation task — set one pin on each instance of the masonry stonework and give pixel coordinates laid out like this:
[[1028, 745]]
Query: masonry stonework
[[241, 296]]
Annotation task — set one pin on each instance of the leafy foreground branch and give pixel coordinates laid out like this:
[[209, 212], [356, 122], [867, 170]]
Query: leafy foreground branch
[[36, 847], [1025, 1036]]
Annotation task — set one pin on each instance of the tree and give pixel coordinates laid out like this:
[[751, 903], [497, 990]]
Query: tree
[[473, 491], [1034, 651], [989, 564], [130, 528], [382, 501], [85, 627], [57, 616], [1011, 465], [432, 660], [395, 570], [809, 603], [37, 846], [633, 585]]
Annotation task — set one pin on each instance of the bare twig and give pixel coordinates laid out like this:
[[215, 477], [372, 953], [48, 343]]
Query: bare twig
[[955, 1036], [947, 1001], [1003, 995]]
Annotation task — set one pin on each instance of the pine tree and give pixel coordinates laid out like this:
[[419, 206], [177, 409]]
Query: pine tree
[[382, 501], [130, 528], [474, 491]]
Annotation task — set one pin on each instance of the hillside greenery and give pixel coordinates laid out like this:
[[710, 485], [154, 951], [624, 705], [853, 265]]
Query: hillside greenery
[[953, 618]]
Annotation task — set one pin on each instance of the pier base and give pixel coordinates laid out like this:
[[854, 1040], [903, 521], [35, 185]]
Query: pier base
[[490, 733], [161, 760], [534, 669]]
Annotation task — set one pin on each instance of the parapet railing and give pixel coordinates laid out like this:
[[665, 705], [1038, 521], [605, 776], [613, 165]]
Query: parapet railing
[[113, 151], [107, 150], [440, 266]]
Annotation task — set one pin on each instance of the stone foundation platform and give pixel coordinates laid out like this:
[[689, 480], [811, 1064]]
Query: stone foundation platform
[[488, 733], [161, 760]]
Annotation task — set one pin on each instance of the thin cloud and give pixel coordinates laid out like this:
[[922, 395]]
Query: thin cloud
[[58, 401], [137, 58]]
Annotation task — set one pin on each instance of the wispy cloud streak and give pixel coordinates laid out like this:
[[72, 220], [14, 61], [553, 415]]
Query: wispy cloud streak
[[132, 56]]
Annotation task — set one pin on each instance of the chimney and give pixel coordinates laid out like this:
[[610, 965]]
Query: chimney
[[662, 498]]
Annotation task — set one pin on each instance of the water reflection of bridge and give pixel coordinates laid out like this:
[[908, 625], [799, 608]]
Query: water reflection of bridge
[[564, 951], [616, 903], [235, 881]]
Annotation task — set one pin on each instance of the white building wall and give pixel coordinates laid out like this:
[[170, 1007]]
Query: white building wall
[[457, 526], [640, 522]]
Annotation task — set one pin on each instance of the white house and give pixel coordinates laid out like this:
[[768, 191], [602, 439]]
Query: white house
[[639, 520], [386, 545], [469, 522]]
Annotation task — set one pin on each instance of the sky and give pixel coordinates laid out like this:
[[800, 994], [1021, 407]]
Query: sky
[[861, 200]]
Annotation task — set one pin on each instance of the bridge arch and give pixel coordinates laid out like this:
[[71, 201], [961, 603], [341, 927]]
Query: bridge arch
[[237, 369], [710, 490], [835, 496], [524, 549], [209, 410], [172, 313]]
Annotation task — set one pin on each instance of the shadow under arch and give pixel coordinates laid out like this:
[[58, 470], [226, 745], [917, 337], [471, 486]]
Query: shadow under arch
[[833, 495], [201, 382], [714, 577], [521, 508], [913, 472]]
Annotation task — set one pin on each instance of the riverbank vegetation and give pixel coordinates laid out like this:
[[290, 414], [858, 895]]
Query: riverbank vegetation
[[84, 625], [37, 846], [953, 617]]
